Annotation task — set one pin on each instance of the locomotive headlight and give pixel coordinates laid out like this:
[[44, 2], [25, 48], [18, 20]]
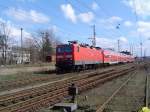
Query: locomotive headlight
[[68, 56]]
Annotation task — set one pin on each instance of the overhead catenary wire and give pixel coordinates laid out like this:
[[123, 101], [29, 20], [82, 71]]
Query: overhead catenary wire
[[77, 10], [110, 34], [61, 30], [138, 33], [104, 11], [107, 13], [66, 32]]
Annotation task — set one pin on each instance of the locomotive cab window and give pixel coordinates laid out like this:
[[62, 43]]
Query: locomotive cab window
[[68, 49], [60, 50], [63, 49]]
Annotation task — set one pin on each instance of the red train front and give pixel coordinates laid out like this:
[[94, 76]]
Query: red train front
[[77, 56], [64, 56]]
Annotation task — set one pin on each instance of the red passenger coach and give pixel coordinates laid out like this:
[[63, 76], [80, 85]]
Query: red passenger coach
[[77, 56], [112, 57]]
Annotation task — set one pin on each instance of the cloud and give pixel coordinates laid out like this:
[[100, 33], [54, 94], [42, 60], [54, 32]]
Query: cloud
[[94, 6], [141, 7], [128, 23], [142, 33], [110, 23], [28, 16], [69, 12], [123, 39], [86, 17], [105, 42], [15, 32], [111, 43], [114, 19], [144, 28]]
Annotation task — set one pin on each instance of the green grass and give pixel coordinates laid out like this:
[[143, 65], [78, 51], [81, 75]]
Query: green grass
[[8, 77], [21, 75], [29, 65]]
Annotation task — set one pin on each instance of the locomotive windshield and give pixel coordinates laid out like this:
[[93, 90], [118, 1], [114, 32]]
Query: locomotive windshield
[[63, 49]]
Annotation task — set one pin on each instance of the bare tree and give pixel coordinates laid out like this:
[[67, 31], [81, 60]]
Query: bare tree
[[4, 37], [41, 44], [33, 47], [46, 41]]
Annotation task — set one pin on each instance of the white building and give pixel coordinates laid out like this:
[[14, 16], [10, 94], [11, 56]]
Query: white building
[[14, 56]]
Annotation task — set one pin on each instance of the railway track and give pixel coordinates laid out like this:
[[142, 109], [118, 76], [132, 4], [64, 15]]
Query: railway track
[[33, 79], [130, 96], [35, 98]]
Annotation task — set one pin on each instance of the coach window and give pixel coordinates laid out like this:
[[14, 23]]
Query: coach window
[[78, 48], [107, 56]]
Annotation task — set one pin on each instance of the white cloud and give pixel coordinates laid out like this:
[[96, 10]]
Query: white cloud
[[144, 29], [86, 17], [15, 32], [69, 12], [105, 42], [128, 23], [142, 7], [110, 23], [114, 19], [94, 6], [142, 33], [28, 16], [123, 39]]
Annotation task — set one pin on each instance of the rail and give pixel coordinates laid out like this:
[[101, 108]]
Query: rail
[[32, 100], [102, 107]]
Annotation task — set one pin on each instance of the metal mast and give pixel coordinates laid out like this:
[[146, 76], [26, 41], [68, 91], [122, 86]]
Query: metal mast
[[94, 36], [21, 47]]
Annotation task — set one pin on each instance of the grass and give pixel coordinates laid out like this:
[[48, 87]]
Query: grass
[[29, 65], [21, 75], [7, 77]]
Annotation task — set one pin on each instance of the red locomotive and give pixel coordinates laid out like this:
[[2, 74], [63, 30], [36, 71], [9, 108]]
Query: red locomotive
[[82, 56]]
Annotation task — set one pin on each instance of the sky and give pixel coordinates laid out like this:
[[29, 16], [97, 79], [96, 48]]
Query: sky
[[124, 20]]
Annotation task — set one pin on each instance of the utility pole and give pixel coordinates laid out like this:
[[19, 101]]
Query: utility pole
[[94, 36], [131, 49], [21, 47], [118, 45], [144, 52], [141, 49]]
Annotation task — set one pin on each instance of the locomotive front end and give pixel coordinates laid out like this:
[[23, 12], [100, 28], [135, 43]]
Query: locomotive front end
[[64, 57]]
